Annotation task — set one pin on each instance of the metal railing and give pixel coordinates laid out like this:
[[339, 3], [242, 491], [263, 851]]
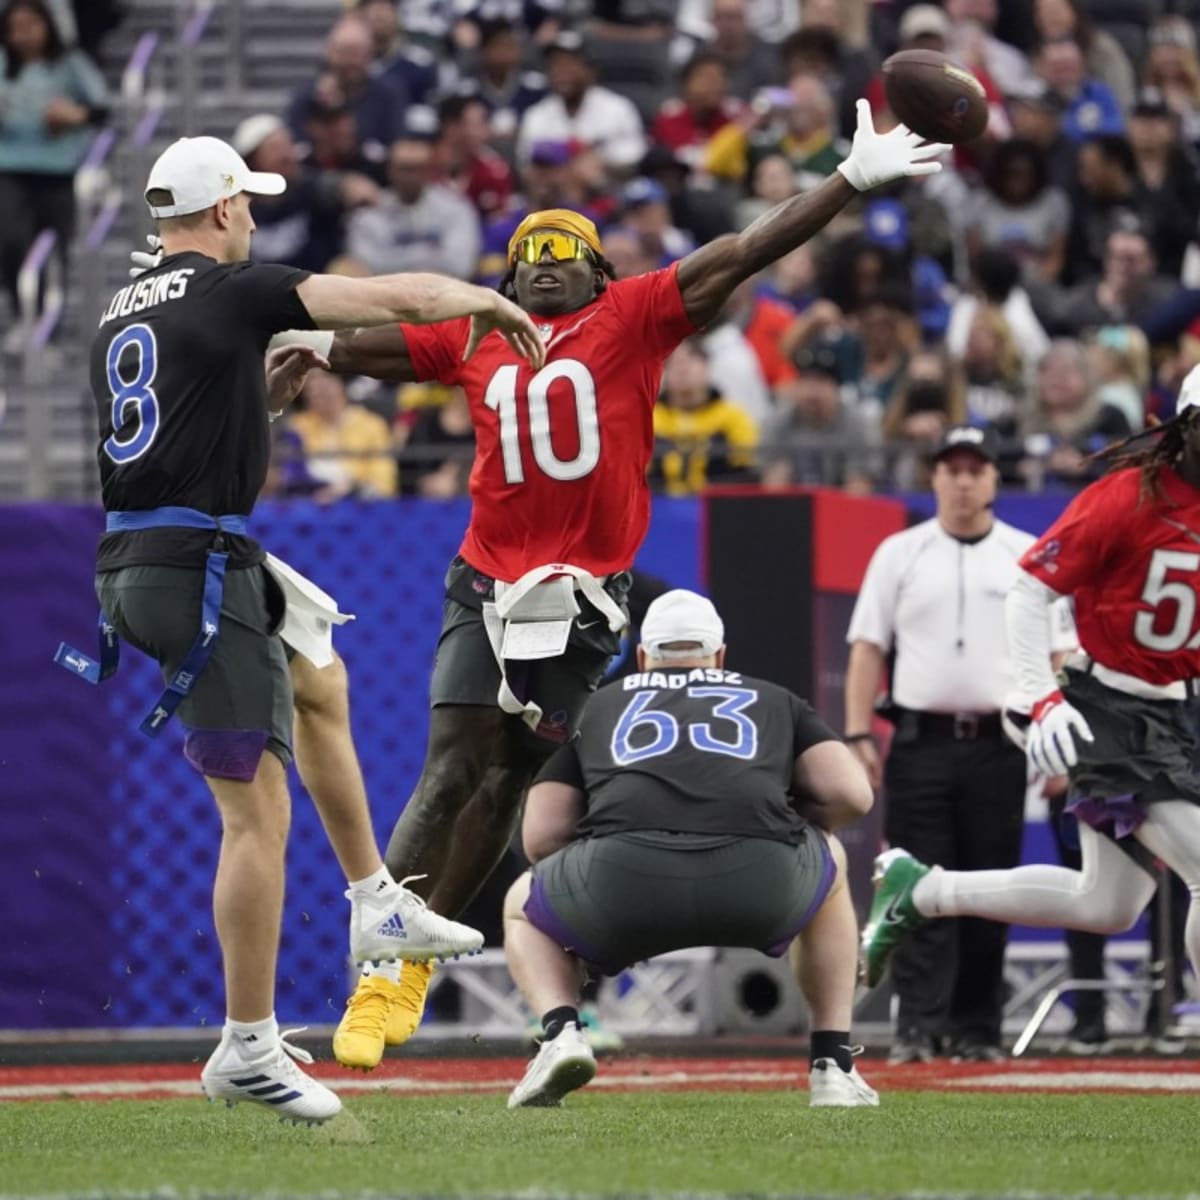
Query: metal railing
[[137, 70], [40, 300], [235, 46], [190, 36]]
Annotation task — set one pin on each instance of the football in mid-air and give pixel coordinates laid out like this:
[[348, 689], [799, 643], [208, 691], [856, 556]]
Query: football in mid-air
[[934, 96]]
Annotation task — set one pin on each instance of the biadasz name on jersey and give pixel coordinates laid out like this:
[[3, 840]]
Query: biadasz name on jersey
[[678, 679]]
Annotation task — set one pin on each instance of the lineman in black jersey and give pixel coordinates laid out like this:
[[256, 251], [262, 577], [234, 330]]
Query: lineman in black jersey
[[177, 370], [694, 808]]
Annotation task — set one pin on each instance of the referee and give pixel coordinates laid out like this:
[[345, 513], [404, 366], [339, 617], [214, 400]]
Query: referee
[[177, 372], [933, 603]]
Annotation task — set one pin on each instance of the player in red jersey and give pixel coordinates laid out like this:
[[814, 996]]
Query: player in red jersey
[[1122, 723], [534, 601]]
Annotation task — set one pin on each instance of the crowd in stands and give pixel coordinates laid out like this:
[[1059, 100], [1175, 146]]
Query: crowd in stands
[[52, 99], [1047, 283]]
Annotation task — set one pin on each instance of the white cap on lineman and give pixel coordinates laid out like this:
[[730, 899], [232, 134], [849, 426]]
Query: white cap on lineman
[[202, 170], [1189, 392], [682, 616]]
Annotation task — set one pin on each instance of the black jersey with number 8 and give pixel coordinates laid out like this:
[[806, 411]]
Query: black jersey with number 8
[[177, 372]]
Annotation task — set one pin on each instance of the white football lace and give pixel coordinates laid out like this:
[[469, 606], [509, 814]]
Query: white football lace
[[297, 1052], [411, 894]]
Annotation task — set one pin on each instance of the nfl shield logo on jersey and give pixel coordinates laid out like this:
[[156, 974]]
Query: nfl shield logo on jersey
[[545, 330]]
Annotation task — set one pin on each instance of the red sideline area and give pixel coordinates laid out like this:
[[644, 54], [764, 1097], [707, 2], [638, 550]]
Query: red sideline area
[[629, 1073]]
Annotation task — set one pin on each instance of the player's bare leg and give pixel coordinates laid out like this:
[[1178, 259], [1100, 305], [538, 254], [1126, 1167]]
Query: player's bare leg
[[825, 953], [1171, 832], [465, 743], [248, 890], [328, 764], [825, 960], [485, 827], [252, 1063], [550, 978]]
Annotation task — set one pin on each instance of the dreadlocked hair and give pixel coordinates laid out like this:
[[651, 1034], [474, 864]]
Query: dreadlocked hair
[[506, 289], [1169, 440]]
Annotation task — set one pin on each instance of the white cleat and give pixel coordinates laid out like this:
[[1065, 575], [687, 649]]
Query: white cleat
[[831, 1087], [397, 924], [560, 1066], [270, 1078]]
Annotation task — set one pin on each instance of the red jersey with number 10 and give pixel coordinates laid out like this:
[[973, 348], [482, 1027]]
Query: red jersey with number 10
[[1133, 568], [561, 454]]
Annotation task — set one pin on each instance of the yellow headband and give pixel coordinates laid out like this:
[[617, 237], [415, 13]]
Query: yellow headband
[[561, 220]]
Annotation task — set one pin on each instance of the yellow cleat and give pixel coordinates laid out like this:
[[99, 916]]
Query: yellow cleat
[[408, 1002], [359, 1038]]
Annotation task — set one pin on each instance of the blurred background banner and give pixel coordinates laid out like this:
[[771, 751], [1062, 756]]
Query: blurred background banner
[[109, 839]]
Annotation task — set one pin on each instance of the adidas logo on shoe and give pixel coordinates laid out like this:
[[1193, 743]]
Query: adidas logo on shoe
[[393, 927]]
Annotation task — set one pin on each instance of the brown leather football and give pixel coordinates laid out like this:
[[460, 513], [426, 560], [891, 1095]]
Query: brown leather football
[[934, 96]]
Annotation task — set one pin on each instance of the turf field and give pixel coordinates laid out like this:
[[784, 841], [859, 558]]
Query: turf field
[[654, 1127]]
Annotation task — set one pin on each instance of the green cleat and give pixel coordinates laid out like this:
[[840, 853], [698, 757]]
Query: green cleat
[[893, 915]]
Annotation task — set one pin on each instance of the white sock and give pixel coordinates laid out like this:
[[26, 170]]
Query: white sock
[[927, 895], [385, 970], [252, 1037], [374, 884]]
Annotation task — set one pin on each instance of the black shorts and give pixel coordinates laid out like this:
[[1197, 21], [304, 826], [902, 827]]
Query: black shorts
[[623, 898], [241, 703], [466, 671], [1144, 751]]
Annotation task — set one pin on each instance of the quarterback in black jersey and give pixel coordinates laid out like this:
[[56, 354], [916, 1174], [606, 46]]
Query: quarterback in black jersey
[[695, 807], [177, 371]]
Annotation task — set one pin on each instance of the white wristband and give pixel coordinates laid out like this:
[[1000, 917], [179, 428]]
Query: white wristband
[[321, 340]]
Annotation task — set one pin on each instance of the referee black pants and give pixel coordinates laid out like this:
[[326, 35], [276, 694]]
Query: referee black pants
[[961, 805]]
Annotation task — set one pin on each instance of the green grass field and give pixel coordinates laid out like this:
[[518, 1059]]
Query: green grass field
[[613, 1145]]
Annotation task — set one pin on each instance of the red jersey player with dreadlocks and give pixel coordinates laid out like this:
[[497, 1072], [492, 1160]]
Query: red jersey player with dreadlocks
[[1120, 723], [560, 506]]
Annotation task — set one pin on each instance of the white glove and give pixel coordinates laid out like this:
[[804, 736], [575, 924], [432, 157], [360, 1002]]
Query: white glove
[[1050, 743], [143, 262], [877, 158]]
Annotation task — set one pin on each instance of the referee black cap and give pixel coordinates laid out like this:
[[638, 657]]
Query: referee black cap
[[980, 440]]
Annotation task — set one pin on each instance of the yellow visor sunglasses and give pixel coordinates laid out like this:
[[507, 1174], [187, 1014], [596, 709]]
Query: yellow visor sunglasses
[[564, 247]]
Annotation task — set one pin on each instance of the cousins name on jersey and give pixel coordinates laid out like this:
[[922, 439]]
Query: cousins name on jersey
[[146, 293], [679, 679]]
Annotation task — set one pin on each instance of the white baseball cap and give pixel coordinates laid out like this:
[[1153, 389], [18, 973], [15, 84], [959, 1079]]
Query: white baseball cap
[[1189, 392], [202, 170], [682, 616]]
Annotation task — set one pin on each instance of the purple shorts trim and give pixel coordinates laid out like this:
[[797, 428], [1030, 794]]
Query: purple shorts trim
[[828, 874], [542, 916], [225, 753], [1117, 816]]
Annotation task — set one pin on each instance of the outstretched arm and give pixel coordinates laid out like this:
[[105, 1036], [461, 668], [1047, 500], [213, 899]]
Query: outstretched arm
[[708, 275], [338, 302], [380, 353]]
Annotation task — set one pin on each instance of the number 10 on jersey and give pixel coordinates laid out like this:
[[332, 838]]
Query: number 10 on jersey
[[501, 397]]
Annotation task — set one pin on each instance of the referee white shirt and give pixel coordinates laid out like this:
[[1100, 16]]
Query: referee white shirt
[[939, 601]]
